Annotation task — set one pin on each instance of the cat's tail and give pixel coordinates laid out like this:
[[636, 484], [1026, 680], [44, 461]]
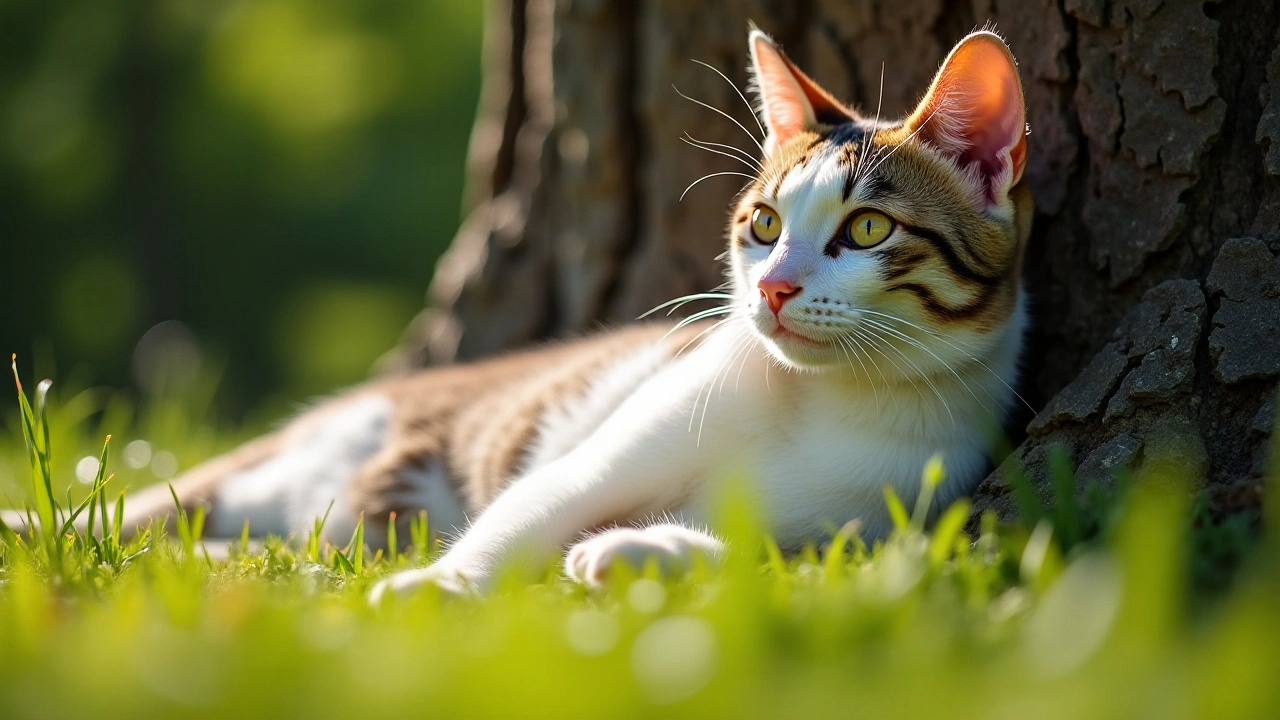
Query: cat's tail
[[155, 504]]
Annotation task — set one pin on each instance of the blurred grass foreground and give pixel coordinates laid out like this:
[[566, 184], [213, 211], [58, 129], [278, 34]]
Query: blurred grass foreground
[[1092, 611]]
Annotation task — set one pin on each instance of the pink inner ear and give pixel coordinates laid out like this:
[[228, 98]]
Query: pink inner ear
[[786, 109], [975, 112]]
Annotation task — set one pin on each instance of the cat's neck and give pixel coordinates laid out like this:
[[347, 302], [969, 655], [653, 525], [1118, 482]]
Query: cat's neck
[[974, 389]]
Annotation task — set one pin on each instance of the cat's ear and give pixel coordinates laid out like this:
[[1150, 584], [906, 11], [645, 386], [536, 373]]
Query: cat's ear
[[789, 100], [975, 114]]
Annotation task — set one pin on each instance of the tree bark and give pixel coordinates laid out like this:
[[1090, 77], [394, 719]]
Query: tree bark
[[1154, 266]]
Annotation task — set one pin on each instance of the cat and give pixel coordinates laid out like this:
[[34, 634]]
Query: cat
[[875, 317]]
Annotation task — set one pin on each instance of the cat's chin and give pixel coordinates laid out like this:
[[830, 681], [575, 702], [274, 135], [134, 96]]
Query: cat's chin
[[798, 351]]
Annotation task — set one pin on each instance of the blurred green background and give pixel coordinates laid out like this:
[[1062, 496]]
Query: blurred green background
[[256, 188]]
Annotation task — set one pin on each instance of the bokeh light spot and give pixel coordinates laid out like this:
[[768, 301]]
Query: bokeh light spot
[[591, 632], [164, 465], [674, 658], [87, 469]]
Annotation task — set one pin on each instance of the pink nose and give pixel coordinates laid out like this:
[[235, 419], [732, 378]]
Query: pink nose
[[777, 292]]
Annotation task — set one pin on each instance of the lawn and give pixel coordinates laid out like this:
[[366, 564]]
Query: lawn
[[1126, 606]]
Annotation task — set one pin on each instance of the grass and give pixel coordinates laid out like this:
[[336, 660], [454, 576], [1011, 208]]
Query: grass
[[1092, 611]]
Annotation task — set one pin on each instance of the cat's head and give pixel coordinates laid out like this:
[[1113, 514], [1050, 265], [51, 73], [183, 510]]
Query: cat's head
[[899, 239]]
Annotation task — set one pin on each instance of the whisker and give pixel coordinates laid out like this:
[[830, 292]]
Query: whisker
[[707, 145], [927, 331], [719, 152], [735, 89], [957, 348], [919, 373], [727, 115], [876, 344], [724, 367], [695, 338], [845, 347], [745, 356], [944, 364], [717, 310], [683, 300], [857, 173], [743, 346], [904, 142], [697, 398], [704, 177], [709, 385], [851, 354], [710, 312], [887, 387]]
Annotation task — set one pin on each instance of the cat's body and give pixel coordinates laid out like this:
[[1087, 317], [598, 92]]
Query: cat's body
[[875, 319]]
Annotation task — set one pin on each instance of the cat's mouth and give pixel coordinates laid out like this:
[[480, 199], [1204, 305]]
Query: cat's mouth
[[782, 332], [787, 336]]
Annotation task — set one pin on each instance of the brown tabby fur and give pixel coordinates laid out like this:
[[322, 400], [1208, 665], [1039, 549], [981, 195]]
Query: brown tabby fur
[[477, 419]]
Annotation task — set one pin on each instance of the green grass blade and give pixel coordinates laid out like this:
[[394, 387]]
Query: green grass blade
[[89, 502], [356, 549], [897, 512], [183, 525], [393, 543], [1066, 511], [42, 487], [420, 535], [118, 525], [342, 564], [946, 530]]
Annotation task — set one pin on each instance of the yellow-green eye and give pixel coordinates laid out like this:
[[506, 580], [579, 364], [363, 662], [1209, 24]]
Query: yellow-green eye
[[766, 225], [868, 228]]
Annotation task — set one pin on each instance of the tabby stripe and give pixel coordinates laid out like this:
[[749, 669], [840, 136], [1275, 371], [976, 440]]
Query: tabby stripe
[[850, 170], [777, 184], [897, 261], [876, 187], [807, 156], [948, 253], [943, 311]]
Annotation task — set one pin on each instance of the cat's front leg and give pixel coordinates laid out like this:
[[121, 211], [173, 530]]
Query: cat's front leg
[[643, 459], [675, 547], [544, 511]]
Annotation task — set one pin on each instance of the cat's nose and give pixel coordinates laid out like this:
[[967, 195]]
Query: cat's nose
[[777, 292]]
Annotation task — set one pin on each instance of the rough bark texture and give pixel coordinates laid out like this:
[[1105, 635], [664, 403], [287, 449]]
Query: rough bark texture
[[1154, 160]]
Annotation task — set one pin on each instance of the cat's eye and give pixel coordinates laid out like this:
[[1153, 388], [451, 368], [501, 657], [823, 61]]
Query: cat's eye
[[867, 229], [766, 225]]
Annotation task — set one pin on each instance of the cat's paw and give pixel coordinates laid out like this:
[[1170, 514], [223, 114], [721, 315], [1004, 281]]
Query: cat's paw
[[450, 579], [673, 546]]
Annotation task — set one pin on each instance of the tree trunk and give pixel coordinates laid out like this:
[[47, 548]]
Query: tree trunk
[[1154, 160]]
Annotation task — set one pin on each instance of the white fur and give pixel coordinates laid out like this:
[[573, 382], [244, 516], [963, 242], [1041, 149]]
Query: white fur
[[430, 488], [288, 492], [312, 474], [819, 423], [563, 427]]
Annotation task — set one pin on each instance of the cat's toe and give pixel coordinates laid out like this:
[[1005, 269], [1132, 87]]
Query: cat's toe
[[448, 580], [590, 561]]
